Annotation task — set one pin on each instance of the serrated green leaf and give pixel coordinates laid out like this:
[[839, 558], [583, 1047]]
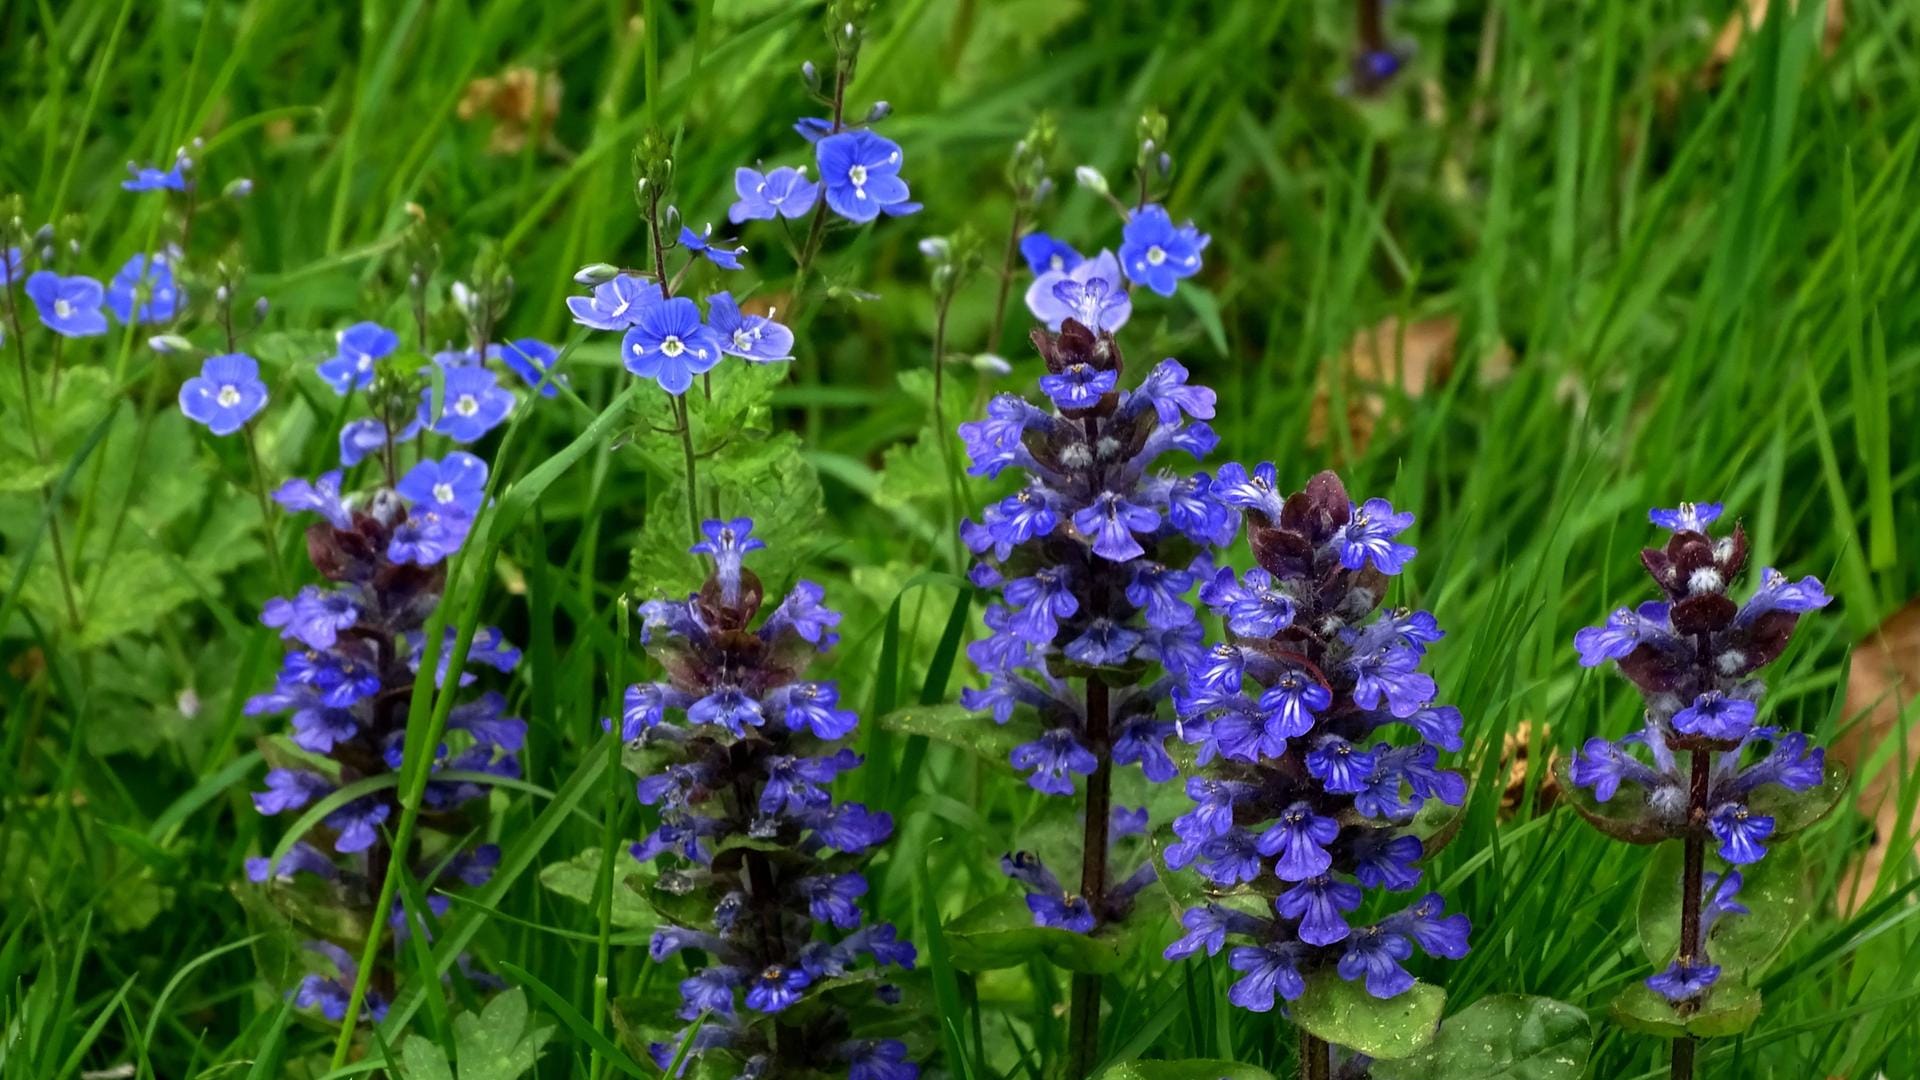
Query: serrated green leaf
[[1343, 1012], [576, 879], [1503, 1037], [959, 726], [1773, 891], [771, 481], [1000, 932], [1192, 1069], [500, 1043], [1730, 1008], [421, 1059]]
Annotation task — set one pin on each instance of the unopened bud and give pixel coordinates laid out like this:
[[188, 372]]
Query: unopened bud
[[880, 111], [936, 248], [239, 189], [1090, 178], [810, 75], [463, 297], [1166, 163], [596, 273], [169, 343], [222, 294], [990, 364], [260, 308]]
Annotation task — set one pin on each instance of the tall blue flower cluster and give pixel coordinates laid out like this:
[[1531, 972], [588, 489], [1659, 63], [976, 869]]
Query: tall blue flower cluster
[[751, 843], [1093, 557], [354, 650], [1298, 800], [1694, 656]]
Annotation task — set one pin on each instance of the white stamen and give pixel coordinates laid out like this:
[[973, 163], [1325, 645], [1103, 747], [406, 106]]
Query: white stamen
[[672, 346], [228, 397], [467, 405], [1156, 255]]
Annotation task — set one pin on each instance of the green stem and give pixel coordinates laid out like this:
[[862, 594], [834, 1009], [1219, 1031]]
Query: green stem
[[609, 840], [39, 455], [940, 434], [685, 425], [267, 531]]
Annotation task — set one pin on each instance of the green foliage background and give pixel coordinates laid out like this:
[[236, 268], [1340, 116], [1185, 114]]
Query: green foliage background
[[1703, 278]]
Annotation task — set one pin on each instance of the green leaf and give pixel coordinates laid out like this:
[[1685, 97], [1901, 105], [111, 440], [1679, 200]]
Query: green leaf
[[1773, 890], [1000, 933], [1624, 817], [1503, 1037], [1191, 1069], [1730, 1008], [1343, 1012], [771, 480], [959, 726], [420, 1059], [1794, 811], [501, 1043], [575, 879]]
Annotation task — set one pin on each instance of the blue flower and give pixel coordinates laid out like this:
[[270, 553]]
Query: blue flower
[[1052, 757], [1104, 643], [473, 403], [357, 824], [143, 292], [1683, 981], [709, 990], [69, 306], [1376, 954], [751, 337], [1777, 593], [1369, 534], [1392, 675], [289, 789], [669, 344], [1167, 390], [1108, 310], [1142, 740], [1740, 832], [1158, 254], [1206, 928], [1159, 590], [1080, 386], [615, 304], [1604, 766], [783, 192], [1318, 903], [1111, 520], [430, 533], [861, 172], [730, 708], [1388, 863], [727, 543], [1045, 253], [1714, 715], [313, 617], [1341, 766], [11, 266], [831, 900], [1235, 486], [879, 1059], [1298, 843], [1624, 632], [533, 361], [1292, 703], [154, 178], [776, 987], [1269, 969], [1062, 911], [226, 394], [459, 480], [700, 243], [1039, 602], [358, 347], [1436, 932], [1689, 517]]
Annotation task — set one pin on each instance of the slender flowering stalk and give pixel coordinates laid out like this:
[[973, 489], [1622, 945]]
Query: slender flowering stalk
[[1092, 557], [760, 863], [1300, 804], [1694, 655], [354, 652]]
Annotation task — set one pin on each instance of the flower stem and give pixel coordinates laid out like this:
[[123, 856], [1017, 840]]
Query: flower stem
[[1692, 885], [1315, 1063], [1083, 1023], [33, 439], [942, 305], [686, 453], [1006, 282], [267, 531]]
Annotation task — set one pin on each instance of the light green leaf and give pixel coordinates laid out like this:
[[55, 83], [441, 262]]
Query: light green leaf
[[1343, 1012], [769, 480], [1192, 1069], [1773, 891], [500, 1043], [420, 1059], [959, 726], [1503, 1037], [1000, 933], [578, 877], [1794, 811], [1730, 1008], [1624, 817]]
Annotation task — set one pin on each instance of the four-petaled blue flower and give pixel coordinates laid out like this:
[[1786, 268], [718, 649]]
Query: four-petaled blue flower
[[458, 480], [751, 337], [861, 172], [143, 291], [226, 394], [1368, 536], [615, 304], [473, 403], [357, 348], [1156, 253], [154, 178], [1068, 293], [669, 344], [1080, 386], [701, 243], [533, 361], [783, 192], [1045, 253], [1714, 715], [69, 306]]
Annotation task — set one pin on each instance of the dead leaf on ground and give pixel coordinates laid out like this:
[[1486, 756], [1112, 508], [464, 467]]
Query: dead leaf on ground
[[1393, 354], [523, 103], [1751, 16], [1884, 681], [1515, 766]]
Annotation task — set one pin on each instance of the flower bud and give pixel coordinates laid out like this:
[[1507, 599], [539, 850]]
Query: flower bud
[[239, 189], [990, 364], [810, 75], [936, 248], [1090, 178], [169, 343], [880, 111], [596, 273]]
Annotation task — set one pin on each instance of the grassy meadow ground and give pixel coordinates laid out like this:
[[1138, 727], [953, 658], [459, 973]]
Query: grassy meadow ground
[[1630, 261]]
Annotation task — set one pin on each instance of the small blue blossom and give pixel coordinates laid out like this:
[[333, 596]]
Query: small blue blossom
[[1319, 903], [1714, 715], [1684, 982], [225, 395], [1368, 536], [1266, 970], [533, 361], [143, 291], [1080, 386], [1097, 304], [669, 344], [472, 404], [1740, 832], [69, 306], [460, 480], [783, 192], [154, 178], [1688, 517], [776, 987], [1046, 253], [1111, 306], [358, 347], [1158, 254], [701, 243], [1376, 954], [879, 1059], [615, 304], [1053, 757], [861, 172], [751, 337], [12, 265], [1624, 632]]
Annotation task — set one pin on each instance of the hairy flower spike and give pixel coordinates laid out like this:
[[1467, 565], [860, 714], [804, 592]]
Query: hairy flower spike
[[1300, 794], [748, 826]]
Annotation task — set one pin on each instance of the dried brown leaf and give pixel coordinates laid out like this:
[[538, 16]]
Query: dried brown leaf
[[1395, 355], [1884, 682]]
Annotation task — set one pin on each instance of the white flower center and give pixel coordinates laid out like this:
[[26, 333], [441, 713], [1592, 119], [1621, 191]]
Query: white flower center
[[62, 309], [620, 308], [364, 363], [858, 174], [228, 397], [742, 339], [1057, 263], [673, 346], [443, 492], [467, 405], [1156, 255]]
